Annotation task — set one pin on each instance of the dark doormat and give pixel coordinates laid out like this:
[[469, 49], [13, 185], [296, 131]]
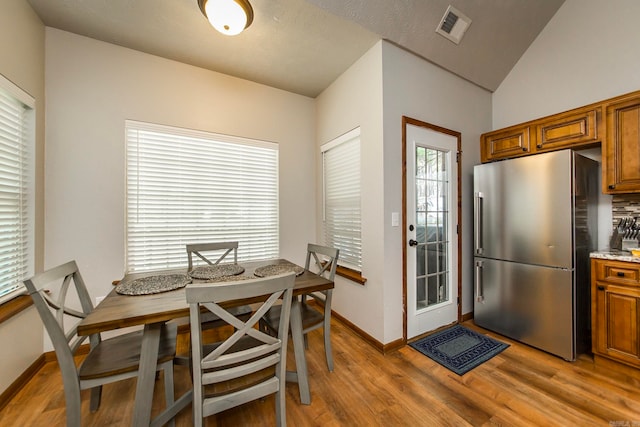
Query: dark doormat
[[458, 348]]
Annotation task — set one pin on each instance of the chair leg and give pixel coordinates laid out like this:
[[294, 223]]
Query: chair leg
[[327, 345], [73, 405], [197, 409], [96, 395], [168, 388], [281, 412]]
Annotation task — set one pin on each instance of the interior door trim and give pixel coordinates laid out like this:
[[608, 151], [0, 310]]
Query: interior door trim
[[409, 121]]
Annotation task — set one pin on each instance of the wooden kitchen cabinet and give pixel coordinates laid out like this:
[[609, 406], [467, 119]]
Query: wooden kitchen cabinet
[[506, 143], [578, 127], [613, 123], [615, 310], [621, 148], [571, 129]]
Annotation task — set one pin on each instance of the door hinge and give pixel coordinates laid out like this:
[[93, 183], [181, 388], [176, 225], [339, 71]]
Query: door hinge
[[458, 301], [457, 228], [458, 157]]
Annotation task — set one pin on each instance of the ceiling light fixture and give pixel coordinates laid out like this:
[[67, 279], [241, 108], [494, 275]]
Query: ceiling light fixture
[[230, 17]]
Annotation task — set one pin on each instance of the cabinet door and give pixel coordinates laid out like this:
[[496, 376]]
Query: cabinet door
[[569, 130], [617, 323], [622, 147], [506, 143]]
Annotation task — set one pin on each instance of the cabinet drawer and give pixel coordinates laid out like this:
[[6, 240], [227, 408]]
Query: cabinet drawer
[[623, 273]]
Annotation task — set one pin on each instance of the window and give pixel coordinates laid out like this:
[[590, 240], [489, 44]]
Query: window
[[17, 148], [341, 170], [186, 186]]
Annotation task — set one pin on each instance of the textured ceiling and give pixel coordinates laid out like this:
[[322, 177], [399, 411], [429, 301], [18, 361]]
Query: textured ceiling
[[302, 46]]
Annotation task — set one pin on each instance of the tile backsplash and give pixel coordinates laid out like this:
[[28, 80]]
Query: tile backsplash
[[624, 205]]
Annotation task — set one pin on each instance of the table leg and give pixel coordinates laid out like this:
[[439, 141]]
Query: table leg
[[298, 348], [146, 374]]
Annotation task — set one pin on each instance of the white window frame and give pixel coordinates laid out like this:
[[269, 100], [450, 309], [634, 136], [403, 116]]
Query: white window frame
[[220, 188], [17, 189], [342, 222]]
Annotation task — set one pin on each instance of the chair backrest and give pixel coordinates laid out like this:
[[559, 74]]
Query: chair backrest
[[325, 260], [248, 350], [50, 292], [197, 248]]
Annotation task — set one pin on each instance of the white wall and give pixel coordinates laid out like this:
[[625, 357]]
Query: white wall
[[418, 89], [385, 84], [355, 99], [92, 87], [22, 62], [587, 53]]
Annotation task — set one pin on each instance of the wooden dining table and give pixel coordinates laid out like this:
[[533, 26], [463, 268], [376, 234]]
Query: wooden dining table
[[152, 311]]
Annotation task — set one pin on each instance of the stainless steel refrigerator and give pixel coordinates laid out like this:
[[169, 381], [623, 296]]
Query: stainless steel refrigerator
[[535, 225]]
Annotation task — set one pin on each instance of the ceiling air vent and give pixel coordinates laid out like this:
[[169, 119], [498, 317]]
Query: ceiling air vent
[[453, 24]]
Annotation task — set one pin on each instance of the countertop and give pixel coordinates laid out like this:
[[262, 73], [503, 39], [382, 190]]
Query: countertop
[[615, 255]]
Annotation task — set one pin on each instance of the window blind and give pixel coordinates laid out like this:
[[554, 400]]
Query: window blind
[[16, 189], [186, 186], [341, 175]]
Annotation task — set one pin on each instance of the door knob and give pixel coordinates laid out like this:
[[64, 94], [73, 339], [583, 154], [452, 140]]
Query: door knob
[[413, 242]]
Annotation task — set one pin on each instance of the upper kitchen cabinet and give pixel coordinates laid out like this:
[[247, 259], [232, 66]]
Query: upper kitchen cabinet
[[621, 148], [579, 127], [614, 123], [505, 143]]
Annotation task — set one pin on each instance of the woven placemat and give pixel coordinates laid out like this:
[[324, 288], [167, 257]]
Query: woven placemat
[[208, 272], [275, 269], [153, 284]]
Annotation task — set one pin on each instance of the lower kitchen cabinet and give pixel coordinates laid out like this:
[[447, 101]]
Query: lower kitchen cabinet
[[615, 305]]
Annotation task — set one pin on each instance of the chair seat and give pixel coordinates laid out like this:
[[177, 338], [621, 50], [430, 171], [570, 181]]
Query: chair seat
[[121, 354], [310, 317]]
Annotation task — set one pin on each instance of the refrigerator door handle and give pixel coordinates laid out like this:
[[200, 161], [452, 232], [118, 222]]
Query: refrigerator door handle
[[479, 284], [477, 206]]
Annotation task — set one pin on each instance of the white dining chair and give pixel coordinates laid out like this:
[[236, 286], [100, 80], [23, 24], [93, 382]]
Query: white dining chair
[[221, 250], [250, 363], [210, 253], [108, 360], [325, 262]]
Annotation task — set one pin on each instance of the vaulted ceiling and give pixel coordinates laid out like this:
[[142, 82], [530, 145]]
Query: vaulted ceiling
[[302, 46]]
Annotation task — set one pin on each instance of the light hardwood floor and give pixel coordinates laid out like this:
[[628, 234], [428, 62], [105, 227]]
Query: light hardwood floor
[[519, 387]]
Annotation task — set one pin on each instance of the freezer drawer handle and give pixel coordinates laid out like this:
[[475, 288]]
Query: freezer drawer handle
[[479, 286], [478, 225]]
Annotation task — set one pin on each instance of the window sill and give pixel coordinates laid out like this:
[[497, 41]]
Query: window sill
[[350, 274], [14, 306]]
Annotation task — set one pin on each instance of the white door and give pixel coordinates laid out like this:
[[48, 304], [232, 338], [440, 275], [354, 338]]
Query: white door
[[432, 244]]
